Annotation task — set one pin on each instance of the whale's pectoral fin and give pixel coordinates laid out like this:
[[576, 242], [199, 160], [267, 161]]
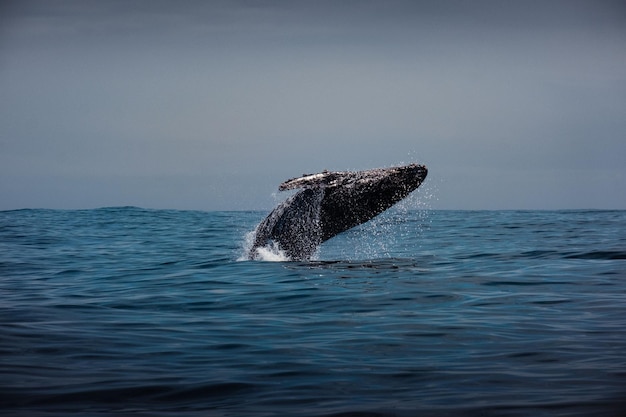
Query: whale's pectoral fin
[[322, 179]]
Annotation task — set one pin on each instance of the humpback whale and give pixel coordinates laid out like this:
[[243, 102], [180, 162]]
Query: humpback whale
[[330, 203]]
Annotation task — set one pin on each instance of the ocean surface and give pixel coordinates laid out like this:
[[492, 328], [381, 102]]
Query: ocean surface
[[126, 311]]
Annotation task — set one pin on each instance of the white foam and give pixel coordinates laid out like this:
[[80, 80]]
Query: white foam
[[269, 253]]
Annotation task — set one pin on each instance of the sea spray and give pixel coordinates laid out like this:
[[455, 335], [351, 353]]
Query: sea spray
[[268, 253]]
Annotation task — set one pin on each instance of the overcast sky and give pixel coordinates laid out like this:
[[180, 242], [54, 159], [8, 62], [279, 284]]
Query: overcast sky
[[209, 105]]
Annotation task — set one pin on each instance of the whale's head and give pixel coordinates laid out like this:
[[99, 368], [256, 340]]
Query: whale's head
[[384, 186], [353, 198], [396, 180]]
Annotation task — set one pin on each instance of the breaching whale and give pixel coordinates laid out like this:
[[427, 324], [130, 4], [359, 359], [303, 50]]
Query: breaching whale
[[330, 203]]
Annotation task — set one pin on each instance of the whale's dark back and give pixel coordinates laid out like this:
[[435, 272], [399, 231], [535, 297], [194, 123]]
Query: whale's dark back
[[331, 203]]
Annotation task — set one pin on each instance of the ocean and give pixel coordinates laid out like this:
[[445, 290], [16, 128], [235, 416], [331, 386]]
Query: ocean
[[126, 311]]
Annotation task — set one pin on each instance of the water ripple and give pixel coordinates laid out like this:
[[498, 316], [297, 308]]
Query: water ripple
[[122, 311]]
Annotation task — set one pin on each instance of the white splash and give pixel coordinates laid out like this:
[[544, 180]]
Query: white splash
[[269, 253]]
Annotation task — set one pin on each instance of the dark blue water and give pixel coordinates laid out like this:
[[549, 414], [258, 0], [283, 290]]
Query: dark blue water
[[125, 311]]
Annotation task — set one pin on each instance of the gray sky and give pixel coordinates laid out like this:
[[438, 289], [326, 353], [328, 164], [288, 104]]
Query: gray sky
[[210, 105]]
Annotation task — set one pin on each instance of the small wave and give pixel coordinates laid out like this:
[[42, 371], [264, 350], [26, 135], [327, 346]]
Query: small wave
[[598, 255], [377, 264], [137, 395], [548, 254]]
